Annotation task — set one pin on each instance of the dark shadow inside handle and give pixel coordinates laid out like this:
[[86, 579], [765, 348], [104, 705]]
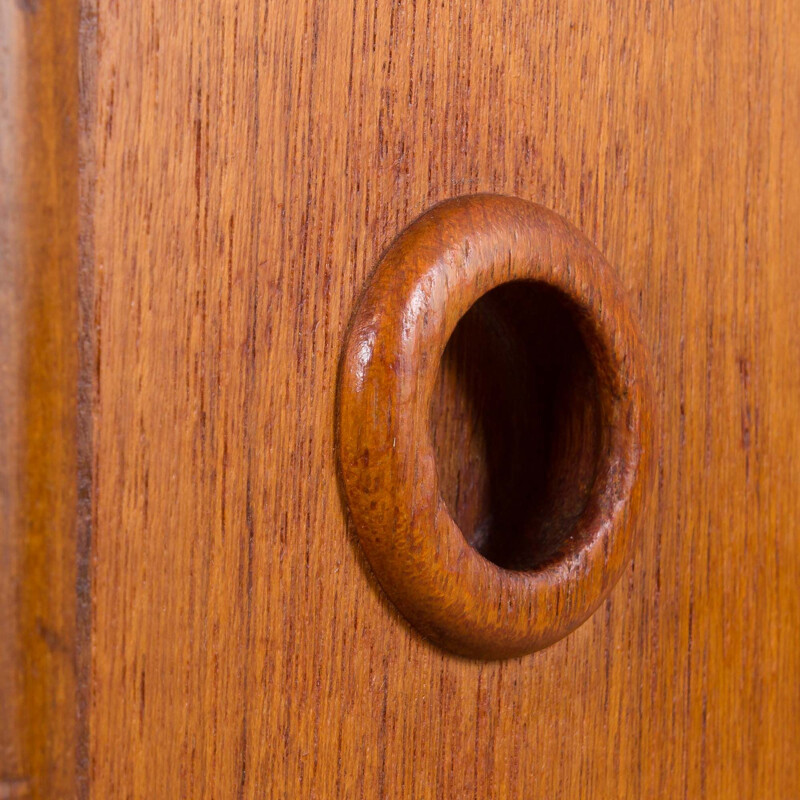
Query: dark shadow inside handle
[[516, 422]]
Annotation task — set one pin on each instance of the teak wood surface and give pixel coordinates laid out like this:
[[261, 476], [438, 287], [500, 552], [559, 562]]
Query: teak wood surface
[[193, 198]]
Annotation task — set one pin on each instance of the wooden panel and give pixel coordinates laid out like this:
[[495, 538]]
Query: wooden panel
[[252, 161]]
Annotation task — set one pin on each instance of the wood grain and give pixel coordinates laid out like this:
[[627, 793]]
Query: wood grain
[[252, 162], [44, 430], [551, 549]]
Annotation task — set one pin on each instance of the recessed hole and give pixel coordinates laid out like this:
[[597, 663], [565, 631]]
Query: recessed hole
[[517, 424]]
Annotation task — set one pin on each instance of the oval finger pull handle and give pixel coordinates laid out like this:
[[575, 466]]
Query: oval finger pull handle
[[494, 426]]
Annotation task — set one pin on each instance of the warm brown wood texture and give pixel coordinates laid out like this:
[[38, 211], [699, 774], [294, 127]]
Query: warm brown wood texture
[[563, 442], [252, 162], [44, 430]]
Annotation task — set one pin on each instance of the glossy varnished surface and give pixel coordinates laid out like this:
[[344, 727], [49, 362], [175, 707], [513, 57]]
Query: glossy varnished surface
[[253, 161]]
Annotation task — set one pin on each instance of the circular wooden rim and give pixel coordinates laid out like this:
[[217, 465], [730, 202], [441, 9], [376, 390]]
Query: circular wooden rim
[[427, 280]]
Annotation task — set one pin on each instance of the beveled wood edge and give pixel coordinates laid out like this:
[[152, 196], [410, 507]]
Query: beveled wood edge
[[47, 65]]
